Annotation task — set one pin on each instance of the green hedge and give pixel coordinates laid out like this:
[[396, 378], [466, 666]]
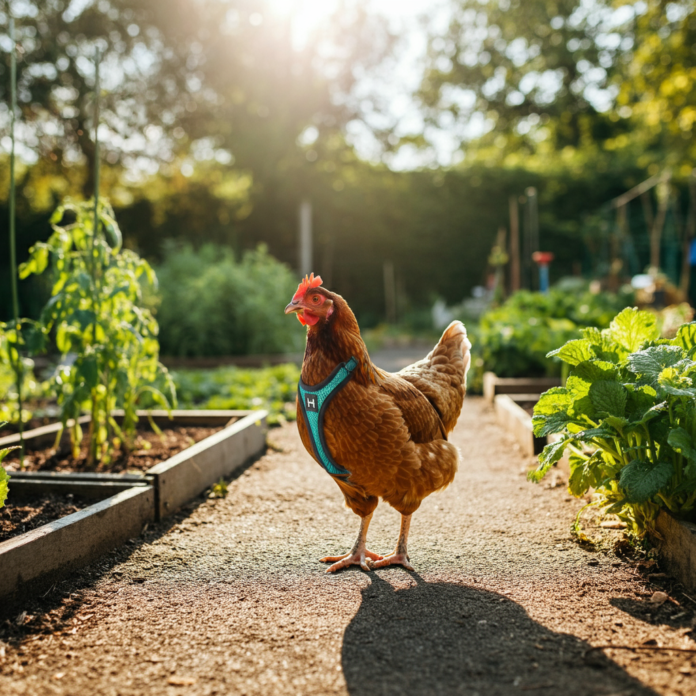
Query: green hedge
[[213, 303]]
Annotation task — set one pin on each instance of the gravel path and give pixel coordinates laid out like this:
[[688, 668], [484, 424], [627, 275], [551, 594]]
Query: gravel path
[[228, 597]]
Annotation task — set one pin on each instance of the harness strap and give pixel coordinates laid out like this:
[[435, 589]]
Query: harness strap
[[314, 400]]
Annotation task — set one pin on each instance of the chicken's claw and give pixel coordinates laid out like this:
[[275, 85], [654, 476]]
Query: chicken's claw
[[394, 559], [358, 557]]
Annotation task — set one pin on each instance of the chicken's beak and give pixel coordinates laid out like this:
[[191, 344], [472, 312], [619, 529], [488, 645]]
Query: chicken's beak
[[293, 307]]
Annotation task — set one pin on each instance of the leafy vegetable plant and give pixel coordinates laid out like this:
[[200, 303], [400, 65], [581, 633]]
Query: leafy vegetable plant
[[108, 341], [627, 416], [4, 478], [270, 388]]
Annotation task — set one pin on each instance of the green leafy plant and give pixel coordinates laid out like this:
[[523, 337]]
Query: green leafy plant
[[219, 490], [4, 477], [627, 418], [270, 388], [213, 303], [108, 341], [514, 339]]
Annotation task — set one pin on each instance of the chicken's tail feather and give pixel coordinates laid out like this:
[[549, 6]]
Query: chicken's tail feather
[[456, 333]]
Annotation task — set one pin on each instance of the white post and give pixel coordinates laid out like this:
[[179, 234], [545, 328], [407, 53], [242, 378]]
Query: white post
[[305, 251]]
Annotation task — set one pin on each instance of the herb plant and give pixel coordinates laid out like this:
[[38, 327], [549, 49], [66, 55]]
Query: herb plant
[[108, 341], [627, 417]]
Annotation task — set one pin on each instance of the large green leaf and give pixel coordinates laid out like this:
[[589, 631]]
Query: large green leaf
[[574, 352], [594, 433], [650, 362], [608, 398], [680, 441], [686, 336], [594, 370], [584, 473], [643, 480], [553, 423], [632, 327], [552, 401], [676, 382], [641, 398], [550, 455]]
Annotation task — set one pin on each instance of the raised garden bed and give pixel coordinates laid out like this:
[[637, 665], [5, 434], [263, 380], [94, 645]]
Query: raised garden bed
[[676, 545], [126, 502], [513, 414], [494, 385], [675, 540]]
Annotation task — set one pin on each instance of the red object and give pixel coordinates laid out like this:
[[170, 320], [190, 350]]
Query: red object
[[307, 284], [543, 258]]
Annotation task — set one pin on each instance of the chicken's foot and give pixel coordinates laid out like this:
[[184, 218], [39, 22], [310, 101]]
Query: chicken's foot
[[400, 555], [358, 555]]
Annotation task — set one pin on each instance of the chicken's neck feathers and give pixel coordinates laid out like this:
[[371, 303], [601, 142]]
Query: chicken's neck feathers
[[334, 342]]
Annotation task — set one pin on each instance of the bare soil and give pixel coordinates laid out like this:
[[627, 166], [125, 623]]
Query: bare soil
[[228, 597], [151, 449], [19, 516]]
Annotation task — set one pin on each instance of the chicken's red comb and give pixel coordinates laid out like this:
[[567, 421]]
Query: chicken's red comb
[[307, 284]]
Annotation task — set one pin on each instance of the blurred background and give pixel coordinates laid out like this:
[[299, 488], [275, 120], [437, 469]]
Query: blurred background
[[415, 153]]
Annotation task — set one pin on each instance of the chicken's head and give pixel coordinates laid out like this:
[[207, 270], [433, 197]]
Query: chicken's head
[[311, 303]]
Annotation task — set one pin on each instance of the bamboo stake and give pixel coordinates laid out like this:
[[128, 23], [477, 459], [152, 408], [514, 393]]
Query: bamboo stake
[[19, 372]]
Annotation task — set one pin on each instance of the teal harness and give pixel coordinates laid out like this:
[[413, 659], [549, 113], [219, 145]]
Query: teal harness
[[314, 401]]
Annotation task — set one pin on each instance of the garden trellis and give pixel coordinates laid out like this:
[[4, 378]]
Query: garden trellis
[[644, 227]]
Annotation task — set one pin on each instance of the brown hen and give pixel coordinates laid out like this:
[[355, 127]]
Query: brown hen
[[383, 435]]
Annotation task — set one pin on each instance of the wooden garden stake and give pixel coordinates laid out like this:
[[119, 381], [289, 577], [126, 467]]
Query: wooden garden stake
[[19, 372]]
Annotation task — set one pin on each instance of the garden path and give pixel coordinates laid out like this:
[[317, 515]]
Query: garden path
[[228, 597]]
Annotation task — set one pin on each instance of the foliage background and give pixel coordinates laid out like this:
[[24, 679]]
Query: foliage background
[[225, 125]]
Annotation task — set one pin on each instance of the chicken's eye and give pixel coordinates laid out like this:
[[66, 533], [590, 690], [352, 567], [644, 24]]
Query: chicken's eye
[[316, 299]]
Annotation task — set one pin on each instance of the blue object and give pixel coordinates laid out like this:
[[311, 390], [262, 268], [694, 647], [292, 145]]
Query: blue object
[[543, 278], [692, 253], [313, 401]]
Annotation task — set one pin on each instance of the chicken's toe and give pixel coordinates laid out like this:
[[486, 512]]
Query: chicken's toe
[[395, 559], [358, 557]]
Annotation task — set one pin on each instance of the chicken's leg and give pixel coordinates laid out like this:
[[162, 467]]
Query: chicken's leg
[[400, 556], [358, 554]]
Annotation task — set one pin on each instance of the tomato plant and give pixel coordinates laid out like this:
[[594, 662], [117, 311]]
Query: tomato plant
[[4, 478], [627, 416], [108, 341]]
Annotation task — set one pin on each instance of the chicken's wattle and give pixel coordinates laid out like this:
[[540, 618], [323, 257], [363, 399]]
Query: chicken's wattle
[[306, 317]]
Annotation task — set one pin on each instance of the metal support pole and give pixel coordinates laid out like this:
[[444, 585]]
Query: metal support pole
[[305, 250], [19, 367]]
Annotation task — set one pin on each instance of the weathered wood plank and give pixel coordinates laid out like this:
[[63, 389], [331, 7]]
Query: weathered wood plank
[[190, 472], [28, 489], [49, 552], [494, 385], [676, 546]]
